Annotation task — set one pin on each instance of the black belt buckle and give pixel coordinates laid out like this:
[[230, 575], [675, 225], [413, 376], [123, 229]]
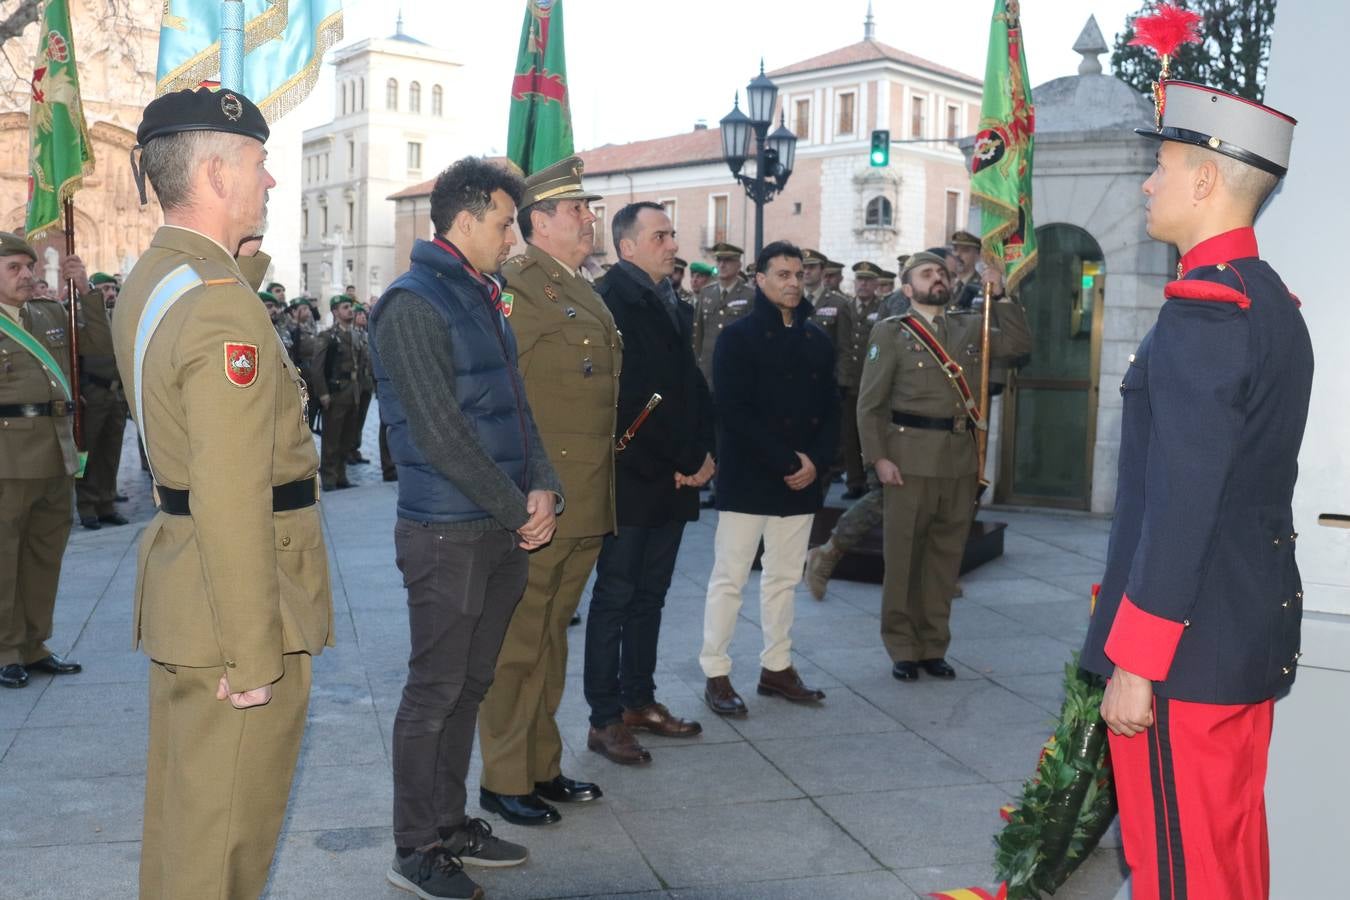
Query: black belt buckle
[[60, 408]]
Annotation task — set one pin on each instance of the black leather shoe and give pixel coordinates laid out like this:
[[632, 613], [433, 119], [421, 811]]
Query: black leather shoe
[[90, 522], [518, 809], [13, 676], [54, 665], [938, 668], [905, 671], [114, 519], [565, 790]]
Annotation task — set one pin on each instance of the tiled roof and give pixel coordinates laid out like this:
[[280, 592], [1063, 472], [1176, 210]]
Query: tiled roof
[[690, 148], [868, 51]]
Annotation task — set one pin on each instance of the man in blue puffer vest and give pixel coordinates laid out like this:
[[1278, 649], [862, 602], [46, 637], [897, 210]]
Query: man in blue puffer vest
[[476, 492]]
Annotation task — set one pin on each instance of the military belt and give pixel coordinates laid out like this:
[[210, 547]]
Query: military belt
[[296, 495], [56, 408], [909, 420]]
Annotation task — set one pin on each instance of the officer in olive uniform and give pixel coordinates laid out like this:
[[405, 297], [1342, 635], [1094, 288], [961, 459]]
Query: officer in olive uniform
[[334, 371], [856, 320], [834, 276], [917, 432], [37, 455], [570, 355], [105, 414], [968, 284], [886, 283], [700, 274], [827, 302], [276, 311], [721, 303], [677, 281], [232, 594], [365, 382]]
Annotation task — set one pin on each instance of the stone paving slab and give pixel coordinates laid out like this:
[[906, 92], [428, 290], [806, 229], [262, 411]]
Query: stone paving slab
[[885, 790]]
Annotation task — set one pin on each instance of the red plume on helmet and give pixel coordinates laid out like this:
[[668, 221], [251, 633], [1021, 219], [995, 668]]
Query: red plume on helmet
[[1164, 31]]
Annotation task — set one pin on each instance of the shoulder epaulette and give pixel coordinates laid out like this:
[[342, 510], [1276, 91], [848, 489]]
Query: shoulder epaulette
[[1197, 289], [520, 261]]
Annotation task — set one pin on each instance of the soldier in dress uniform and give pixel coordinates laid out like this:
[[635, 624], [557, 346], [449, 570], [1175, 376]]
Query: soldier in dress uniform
[[964, 254], [885, 283], [232, 596], [721, 303], [677, 281], [365, 382], [37, 455], [1197, 622], [827, 302], [856, 320], [570, 355], [834, 276], [916, 426], [276, 311], [334, 371], [105, 414], [700, 273]]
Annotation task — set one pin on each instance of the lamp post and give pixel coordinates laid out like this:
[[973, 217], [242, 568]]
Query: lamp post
[[774, 153]]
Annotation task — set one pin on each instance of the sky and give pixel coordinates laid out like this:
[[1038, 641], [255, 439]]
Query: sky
[[641, 70]]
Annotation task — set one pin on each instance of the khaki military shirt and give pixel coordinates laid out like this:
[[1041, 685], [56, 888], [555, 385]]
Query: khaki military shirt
[[571, 354], [337, 358], [856, 318], [717, 308], [44, 446], [827, 304], [900, 375], [234, 584]]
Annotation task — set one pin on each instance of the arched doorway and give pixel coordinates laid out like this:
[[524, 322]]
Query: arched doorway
[[1050, 410]]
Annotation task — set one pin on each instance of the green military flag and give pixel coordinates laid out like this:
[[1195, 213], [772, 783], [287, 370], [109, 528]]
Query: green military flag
[[541, 116], [1001, 163], [60, 154]]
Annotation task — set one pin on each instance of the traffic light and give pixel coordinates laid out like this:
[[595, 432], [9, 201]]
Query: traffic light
[[881, 148]]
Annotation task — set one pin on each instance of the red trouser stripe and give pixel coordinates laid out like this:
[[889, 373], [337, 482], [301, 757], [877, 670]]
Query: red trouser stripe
[[1192, 802]]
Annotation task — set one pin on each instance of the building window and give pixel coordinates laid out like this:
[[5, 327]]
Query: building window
[[323, 218], [878, 213], [669, 207], [344, 99], [953, 121], [391, 94], [801, 120], [916, 117], [844, 104], [414, 156], [437, 100], [304, 277], [325, 167], [361, 93], [351, 155], [304, 221], [351, 217], [601, 229], [953, 217], [414, 97], [720, 223]]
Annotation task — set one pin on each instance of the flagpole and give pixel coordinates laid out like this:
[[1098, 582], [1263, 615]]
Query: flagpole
[[73, 293], [232, 45]]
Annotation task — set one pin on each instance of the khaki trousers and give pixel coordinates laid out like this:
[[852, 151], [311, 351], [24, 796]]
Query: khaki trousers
[[925, 523], [738, 536], [217, 779], [105, 420], [34, 526], [339, 420], [516, 727]]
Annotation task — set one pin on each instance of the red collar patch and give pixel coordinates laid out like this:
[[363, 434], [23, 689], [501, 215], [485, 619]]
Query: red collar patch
[[1240, 243], [241, 363]]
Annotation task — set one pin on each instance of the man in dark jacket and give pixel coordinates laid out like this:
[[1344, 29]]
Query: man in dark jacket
[[475, 492], [778, 427], [656, 482]]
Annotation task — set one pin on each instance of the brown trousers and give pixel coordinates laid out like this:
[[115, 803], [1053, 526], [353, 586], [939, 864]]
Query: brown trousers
[[339, 423], [516, 727], [105, 421], [925, 523], [216, 783], [34, 527]]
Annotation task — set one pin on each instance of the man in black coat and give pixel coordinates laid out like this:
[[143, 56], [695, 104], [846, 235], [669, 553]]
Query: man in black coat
[[656, 482], [778, 427]]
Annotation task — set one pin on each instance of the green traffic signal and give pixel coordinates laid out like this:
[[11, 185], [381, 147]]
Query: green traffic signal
[[881, 148]]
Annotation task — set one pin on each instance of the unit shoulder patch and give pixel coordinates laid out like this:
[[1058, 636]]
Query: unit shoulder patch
[[241, 363]]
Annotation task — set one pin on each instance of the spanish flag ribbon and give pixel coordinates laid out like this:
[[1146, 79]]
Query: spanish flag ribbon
[[972, 894]]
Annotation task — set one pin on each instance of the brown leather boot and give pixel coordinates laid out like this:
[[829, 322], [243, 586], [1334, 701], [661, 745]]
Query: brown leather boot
[[616, 743], [722, 698], [655, 718], [820, 564], [788, 685]]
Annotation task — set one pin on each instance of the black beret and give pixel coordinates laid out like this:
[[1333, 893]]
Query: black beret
[[202, 110]]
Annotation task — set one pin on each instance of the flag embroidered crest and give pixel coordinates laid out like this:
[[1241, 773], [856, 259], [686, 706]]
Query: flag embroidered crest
[[241, 363]]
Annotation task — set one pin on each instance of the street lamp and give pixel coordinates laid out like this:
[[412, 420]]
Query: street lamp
[[774, 153]]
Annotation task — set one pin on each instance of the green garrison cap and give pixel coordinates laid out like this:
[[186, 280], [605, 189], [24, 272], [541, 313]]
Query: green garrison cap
[[12, 245], [723, 250], [560, 181], [336, 299], [702, 268], [266, 297], [274, 285], [923, 257], [1247, 131], [866, 270], [102, 278]]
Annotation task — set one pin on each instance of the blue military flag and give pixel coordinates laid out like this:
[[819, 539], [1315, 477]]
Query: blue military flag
[[284, 43]]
